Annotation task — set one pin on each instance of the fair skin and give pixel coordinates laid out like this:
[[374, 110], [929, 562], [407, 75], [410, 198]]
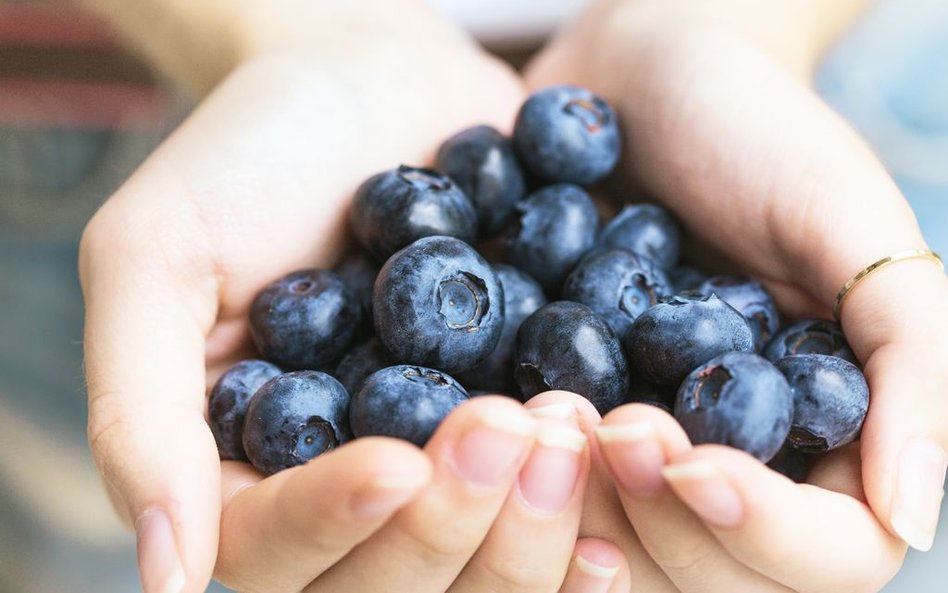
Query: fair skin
[[718, 118]]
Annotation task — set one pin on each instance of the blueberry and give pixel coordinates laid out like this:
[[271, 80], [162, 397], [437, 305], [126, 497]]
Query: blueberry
[[674, 337], [394, 208], [305, 320], [406, 402], [647, 229], [482, 162], [293, 418], [686, 278], [554, 228], [738, 399], [791, 462], [522, 296], [567, 134], [751, 300], [227, 404], [810, 336], [359, 273], [439, 304], [831, 399], [565, 345], [360, 362], [618, 285]]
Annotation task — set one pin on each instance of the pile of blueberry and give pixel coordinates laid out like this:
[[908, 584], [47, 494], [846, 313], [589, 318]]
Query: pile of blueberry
[[391, 349]]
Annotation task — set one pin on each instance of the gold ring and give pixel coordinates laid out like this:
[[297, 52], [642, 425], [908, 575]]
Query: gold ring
[[885, 261]]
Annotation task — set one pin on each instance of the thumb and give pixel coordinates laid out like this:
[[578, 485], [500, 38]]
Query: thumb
[[897, 321], [144, 349]]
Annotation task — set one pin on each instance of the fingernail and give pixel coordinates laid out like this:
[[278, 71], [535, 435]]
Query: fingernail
[[919, 488], [548, 478], [589, 577], [635, 457], [706, 490], [492, 446], [561, 411], [385, 494], [158, 559]]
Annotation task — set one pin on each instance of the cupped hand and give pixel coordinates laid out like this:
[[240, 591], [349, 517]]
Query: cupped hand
[[763, 175], [253, 185]]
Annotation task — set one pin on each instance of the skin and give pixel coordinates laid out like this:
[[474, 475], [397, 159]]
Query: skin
[[708, 95]]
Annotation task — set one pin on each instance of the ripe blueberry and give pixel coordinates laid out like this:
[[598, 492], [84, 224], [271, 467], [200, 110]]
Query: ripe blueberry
[[404, 401], [227, 404], [394, 208], [618, 285], [738, 399], [439, 304], [647, 229], [293, 418], [482, 162], [674, 337], [305, 320], [567, 134], [565, 345], [555, 227], [810, 336], [831, 399]]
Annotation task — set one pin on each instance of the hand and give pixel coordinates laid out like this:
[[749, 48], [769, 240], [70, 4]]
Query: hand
[[763, 175], [254, 185]]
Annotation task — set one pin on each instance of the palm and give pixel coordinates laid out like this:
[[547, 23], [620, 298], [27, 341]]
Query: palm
[[267, 169]]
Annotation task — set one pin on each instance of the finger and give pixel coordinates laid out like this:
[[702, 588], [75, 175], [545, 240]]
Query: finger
[[603, 518], [278, 534], [529, 546], [146, 318], [637, 440], [784, 530], [598, 566], [477, 453]]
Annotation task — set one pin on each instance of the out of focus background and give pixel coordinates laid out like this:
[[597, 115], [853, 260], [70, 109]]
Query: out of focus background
[[77, 115]]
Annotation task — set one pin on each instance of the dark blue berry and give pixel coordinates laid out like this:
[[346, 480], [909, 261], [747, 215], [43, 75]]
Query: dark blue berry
[[293, 418], [360, 362], [674, 337], [567, 134], [395, 208], [565, 345], [227, 404], [522, 296], [647, 229], [751, 300], [554, 228], [810, 336], [439, 304], [738, 399], [831, 399], [405, 402], [618, 285], [482, 162], [305, 320]]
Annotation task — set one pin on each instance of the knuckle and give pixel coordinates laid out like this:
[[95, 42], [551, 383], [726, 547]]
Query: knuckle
[[684, 556]]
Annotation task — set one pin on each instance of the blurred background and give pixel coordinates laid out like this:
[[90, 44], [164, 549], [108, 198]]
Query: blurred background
[[78, 114]]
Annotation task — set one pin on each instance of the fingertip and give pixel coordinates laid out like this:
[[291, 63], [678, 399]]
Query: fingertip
[[598, 565]]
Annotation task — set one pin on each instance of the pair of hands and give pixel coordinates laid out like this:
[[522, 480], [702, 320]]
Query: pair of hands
[[255, 184]]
